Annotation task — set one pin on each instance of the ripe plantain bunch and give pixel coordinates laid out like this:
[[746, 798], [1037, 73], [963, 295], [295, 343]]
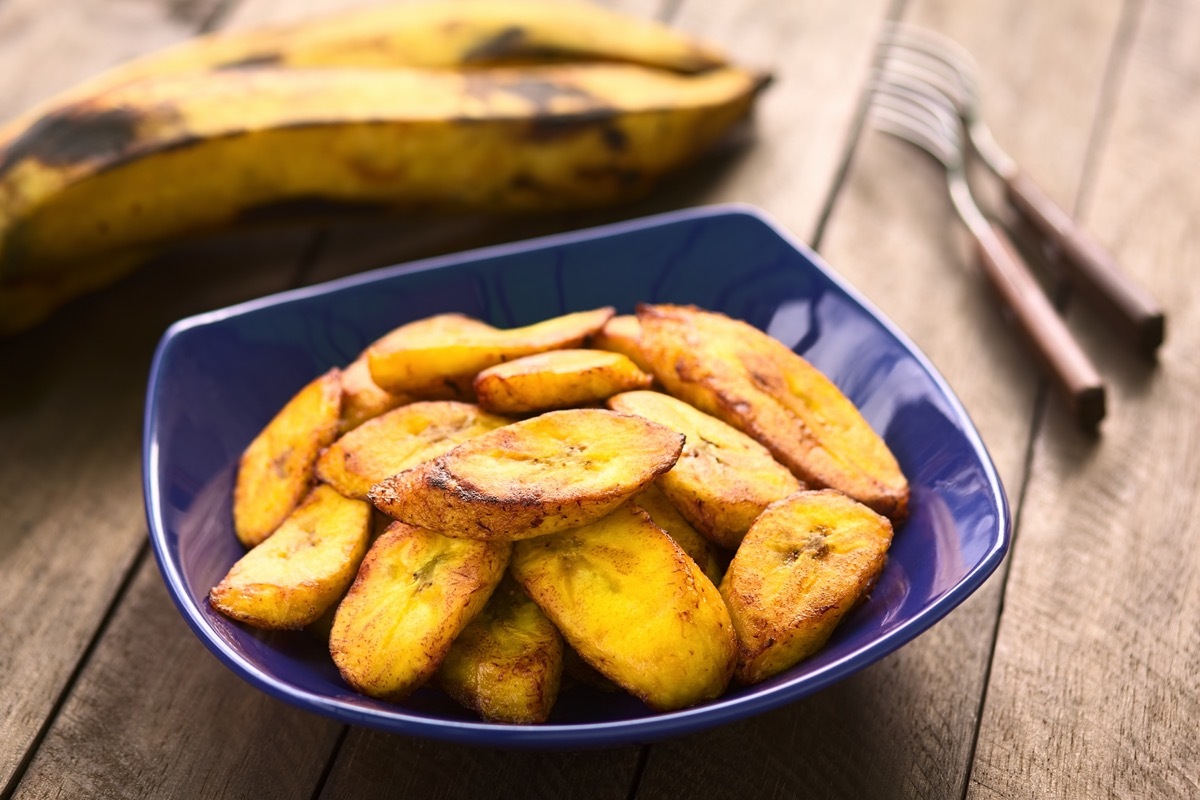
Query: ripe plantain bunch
[[684, 503], [481, 105]]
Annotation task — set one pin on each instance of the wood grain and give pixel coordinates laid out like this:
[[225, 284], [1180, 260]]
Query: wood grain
[[1094, 688], [376, 765], [155, 715], [70, 480], [46, 47], [70, 412], [71, 428], [903, 728]]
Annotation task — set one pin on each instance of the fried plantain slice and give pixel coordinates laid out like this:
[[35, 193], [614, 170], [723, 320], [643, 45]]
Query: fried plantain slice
[[666, 516], [634, 606], [741, 375], [428, 359], [723, 478], [538, 476], [415, 592], [401, 438], [622, 334], [292, 578], [362, 399], [437, 328], [276, 469], [556, 379], [507, 663], [806, 562]]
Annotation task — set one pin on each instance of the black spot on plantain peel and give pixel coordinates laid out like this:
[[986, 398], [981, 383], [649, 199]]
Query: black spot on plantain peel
[[73, 135]]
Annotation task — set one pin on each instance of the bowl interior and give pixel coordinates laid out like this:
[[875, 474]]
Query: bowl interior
[[218, 378]]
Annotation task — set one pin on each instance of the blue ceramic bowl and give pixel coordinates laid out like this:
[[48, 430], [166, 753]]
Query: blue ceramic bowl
[[218, 378]]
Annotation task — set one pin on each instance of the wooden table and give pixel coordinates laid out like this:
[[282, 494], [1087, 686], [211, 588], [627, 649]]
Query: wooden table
[[1072, 673]]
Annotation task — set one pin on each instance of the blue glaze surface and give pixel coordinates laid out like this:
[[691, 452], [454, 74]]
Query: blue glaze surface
[[219, 377]]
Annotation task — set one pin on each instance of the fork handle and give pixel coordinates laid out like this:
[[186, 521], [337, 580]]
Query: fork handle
[[1092, 268], [1070, 368]]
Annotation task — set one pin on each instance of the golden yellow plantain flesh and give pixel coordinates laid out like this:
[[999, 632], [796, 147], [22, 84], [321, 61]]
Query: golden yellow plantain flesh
[[634, 606], [435, 382], [434, 359], [276, 470], [622, 334], [739, 374], [165, 157], [507, 663], [806, 562], [400, 439], [723, 479], [466, 34], [291, 579], [556, 471], [556, 379], [415, 592], [666, 516], [362, 399]]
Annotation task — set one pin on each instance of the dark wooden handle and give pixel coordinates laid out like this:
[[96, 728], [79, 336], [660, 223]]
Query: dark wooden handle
[[1091, 267], [1043, 328]]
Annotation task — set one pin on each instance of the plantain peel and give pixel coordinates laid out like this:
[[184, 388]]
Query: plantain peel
[[739, 374], [144, 163], [439, 35], [415, 592], [634, 606], [556, 471], [276, 470], [443, 354], [290, 580], [806, 562], [507, 664], [398, 440], [723, 479]]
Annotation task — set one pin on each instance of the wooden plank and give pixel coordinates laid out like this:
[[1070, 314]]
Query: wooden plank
[[156, 715], [904, 727], [380, 766], [819, 54], [70, 415], [70, 481], [1094, 691], [46, 47]]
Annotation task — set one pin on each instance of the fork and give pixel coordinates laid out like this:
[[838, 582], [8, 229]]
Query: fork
[[942, 66], [933, 126]]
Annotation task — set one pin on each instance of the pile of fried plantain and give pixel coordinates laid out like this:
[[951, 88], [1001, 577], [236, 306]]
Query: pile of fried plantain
[[665, 545]]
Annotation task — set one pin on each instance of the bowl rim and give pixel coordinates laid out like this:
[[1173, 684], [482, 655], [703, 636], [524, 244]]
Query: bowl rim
[[749, 702]]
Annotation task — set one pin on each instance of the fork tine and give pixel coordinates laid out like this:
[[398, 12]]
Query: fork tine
[[919, 91], [918, 66], [898, 36], [934, 112]]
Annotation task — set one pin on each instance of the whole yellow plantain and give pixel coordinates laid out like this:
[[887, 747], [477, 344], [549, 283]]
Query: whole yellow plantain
[[463, 34], [166, 157]]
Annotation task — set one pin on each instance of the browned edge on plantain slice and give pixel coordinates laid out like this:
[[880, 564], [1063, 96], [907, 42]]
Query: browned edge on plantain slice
[[805, 562], [556, 471], [634, 606], [415, 592], [741, 375], [276, 470]]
